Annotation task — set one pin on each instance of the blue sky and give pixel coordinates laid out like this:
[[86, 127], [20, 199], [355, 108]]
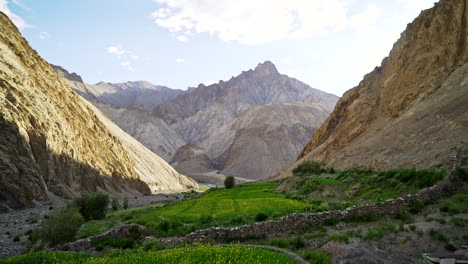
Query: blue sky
[[328, 44]]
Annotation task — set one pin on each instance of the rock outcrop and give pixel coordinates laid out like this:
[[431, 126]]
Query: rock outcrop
[[52, 142], [412, 111]]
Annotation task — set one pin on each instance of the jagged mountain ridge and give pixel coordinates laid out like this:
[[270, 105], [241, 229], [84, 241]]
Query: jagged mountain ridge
[[197, 114], [148, 129], [231, 135], [54, 143], [133, 95], [412, 111], [251, 126]]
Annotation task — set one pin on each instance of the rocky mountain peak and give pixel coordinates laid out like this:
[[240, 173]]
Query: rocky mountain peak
[[66, 74], [267, 68]]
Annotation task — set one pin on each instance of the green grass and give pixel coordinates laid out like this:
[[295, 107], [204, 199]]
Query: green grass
[[457, 204], [358, 186], [221, 207], [196, 254]]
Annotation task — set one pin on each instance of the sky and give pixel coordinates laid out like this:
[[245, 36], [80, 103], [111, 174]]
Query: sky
[[328, 44]]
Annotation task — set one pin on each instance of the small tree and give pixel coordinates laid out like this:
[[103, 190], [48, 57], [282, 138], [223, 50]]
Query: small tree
[[61, 227], [93, 206], [125, 203], [115, 204], [229, 182]]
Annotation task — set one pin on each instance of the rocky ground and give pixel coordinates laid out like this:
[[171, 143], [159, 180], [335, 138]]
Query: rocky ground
[[15, 225]]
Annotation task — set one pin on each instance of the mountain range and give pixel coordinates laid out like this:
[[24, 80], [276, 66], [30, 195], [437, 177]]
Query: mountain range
[[228, 128]]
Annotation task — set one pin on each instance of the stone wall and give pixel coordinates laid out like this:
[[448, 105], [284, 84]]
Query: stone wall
[[290, 223], [299, 221]]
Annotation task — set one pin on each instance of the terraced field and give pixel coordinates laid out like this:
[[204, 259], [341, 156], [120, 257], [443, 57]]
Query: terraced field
[[221, 207]]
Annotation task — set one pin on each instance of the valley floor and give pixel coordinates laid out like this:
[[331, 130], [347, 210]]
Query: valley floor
[[435, 224]]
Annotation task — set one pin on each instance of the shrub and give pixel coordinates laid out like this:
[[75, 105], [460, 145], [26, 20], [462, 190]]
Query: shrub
[[462, 173], [125, 203], [229, 182], [93, 206], [115, 204], [205, 219], [297, 243], [416, 206], [61, 227], [308, 167], [281, 243], [261, 217], [114, 242], [17, 238], [380, 231], [317, 257]]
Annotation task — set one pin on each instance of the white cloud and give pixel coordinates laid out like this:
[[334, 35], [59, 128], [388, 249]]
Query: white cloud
[[180, 60], [115, 50], [366, 18], [251, 22], [17, 20], [44, 35], [123, 55]]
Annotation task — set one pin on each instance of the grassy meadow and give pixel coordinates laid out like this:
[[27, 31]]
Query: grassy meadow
[[219, 207]]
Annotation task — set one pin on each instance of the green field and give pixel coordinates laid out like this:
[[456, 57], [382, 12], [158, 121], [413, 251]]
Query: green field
[[220, 207], [197, 254]]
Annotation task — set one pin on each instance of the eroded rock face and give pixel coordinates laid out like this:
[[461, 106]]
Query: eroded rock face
[[197, 114], [412, 111], [251, 126], [264, 139], [54, 142]]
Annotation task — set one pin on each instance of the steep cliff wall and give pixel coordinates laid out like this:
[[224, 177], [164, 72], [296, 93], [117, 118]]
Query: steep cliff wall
[[51, 140], [412, 111]]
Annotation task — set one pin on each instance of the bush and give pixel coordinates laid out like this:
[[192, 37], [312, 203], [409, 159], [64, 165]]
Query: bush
[[260, 217], [122, 243], [125, 203], [115, 204], [61, 227], [317, 257], [229, 182], [93, 206], [462, 173], [297, 243], [308, 167]]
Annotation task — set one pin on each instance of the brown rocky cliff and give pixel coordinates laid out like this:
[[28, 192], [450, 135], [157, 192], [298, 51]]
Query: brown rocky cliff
[[52, 142], [412, 110]]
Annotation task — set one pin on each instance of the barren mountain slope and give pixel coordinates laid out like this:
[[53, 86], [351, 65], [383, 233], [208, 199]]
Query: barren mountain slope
[[51, 140], [264, 139], [412, 111], [197, 114], [148, 129]]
